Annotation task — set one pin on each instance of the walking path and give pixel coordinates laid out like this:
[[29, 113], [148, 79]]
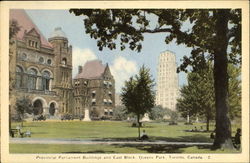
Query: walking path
[[83, 141]]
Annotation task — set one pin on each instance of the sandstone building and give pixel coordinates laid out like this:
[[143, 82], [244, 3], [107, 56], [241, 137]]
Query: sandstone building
[[94, 89], [40, 69], [167, 81]]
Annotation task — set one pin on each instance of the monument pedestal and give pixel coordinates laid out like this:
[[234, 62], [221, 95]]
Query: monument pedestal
[[145, 118], [86, 115]]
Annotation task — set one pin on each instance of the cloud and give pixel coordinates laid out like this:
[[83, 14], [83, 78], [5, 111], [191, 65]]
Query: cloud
[[80, 57], [122, 69]]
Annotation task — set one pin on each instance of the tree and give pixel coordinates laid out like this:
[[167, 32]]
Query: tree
[[174, 117], [197, 98], [23, 105], [234, 91], [119, 113], [138, 95], [13, 30], [157, 113], [214, 32]]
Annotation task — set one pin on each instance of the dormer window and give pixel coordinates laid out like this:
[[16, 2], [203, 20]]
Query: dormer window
[[33, 44]]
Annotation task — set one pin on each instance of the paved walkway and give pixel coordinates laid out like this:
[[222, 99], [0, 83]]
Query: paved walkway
[[82, 141]]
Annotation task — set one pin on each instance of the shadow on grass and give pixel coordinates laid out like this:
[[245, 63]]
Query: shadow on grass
[[158, 148], [155, 148], [193, 138]]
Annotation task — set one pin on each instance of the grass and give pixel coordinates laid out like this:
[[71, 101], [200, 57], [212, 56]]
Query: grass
[[66, 148], [106, 129], [103, 130]]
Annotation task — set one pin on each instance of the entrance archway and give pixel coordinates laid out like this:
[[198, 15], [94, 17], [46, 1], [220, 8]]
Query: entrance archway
[[52, 109], [38, 107]]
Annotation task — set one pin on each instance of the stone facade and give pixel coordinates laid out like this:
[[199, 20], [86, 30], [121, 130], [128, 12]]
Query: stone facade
[[94, 89], [40, 70], [167, 81]]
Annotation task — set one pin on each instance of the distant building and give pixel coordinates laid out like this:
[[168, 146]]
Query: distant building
[[94, 89], [167, 81], [40, 69]]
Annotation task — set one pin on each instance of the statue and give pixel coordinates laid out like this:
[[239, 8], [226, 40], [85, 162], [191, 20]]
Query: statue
[[86, 115]]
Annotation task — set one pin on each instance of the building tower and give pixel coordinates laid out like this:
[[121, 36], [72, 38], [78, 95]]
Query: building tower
[[167, 81], [63, 68]]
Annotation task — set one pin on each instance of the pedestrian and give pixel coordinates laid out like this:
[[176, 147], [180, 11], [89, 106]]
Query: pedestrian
[[144, 135], [212, 136], [237, 140]]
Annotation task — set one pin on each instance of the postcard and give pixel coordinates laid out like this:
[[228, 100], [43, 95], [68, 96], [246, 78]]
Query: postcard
[[128, 81]]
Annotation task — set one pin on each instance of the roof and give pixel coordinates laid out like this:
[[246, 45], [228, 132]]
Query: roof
[[58, 32], [25, 22], [91, 70]]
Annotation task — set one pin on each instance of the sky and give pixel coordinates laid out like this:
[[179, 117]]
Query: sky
[[123, 64]]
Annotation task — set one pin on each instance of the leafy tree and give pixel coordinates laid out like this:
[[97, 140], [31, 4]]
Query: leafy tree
[[23, 105], [13, 30], [197, 98], [138, 95], [157, 113], [214, 32], [119, 113], [174, 116], [234, 91]]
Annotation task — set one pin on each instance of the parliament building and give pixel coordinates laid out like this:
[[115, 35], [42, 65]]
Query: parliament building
[[40, 69]]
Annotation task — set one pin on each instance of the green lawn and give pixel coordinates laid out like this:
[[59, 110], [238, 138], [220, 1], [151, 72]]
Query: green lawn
[[102, 130], [66, 148]]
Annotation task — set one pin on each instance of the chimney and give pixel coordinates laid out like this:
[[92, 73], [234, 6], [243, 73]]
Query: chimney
[[79, 69]]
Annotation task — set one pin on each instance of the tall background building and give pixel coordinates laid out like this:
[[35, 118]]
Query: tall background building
[[167, 81]]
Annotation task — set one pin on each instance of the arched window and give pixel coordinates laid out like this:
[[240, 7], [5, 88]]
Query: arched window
[[32, 78], [64, 61], [19, 77], [46, 80]]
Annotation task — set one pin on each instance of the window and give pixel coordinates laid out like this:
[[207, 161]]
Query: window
[[49, 61], [105, 101], [105, 111], [110, 112], [23, 56], [93, 101], [19, 77], [32, 78], [64, 61], [65, 44], [46, 80], [41, 59]]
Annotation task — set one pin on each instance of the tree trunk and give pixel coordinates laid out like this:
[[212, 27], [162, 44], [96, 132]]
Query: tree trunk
[[9, 118], [223, 126], [138, 121], [208, 118]]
